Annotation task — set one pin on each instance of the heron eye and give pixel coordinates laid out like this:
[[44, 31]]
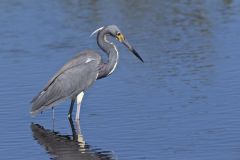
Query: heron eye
[[118, 33]]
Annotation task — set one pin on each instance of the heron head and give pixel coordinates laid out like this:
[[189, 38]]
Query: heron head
[[114, 31]]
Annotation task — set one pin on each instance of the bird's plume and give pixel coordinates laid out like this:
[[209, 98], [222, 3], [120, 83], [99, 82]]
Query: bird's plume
[[97, 30]]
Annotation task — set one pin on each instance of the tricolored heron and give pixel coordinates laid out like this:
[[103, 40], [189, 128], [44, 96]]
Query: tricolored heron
[[74, 78]]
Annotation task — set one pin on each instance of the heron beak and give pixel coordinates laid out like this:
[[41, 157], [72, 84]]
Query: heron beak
[[125, 42]]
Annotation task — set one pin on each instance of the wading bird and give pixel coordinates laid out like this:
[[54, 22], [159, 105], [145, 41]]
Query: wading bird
[[74, 78]]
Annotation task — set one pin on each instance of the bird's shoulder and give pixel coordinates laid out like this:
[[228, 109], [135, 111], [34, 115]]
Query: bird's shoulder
[[82, 56], [80, 59]]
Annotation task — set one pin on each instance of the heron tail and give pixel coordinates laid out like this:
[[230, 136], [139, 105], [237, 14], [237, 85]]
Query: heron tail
[[38, 103], [41, 102]]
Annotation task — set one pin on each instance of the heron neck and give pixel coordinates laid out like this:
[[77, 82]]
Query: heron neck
[[111, 50]]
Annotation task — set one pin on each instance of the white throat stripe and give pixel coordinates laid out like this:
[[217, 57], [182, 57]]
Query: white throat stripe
[[115, 65]]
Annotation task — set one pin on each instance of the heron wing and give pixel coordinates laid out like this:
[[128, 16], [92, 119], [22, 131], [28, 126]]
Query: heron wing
[[79, 59], [74, 77]]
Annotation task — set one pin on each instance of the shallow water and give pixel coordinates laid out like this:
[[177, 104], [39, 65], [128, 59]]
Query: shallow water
[[182, 103]]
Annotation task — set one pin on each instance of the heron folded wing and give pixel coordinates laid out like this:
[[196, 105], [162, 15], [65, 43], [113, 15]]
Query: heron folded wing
[[68, 83]]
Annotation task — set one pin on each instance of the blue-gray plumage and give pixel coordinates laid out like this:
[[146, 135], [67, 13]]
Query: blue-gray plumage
[[73, 79]]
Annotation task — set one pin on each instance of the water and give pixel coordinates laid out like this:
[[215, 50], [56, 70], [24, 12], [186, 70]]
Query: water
[[182, 103]]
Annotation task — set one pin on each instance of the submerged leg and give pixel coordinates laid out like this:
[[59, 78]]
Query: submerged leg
[[53, 119], [79, 100], [80, 139], [53, 114], [73, 128], [71, 108]]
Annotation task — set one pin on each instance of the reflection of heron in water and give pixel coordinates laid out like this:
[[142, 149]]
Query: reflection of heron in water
[[65, 147]]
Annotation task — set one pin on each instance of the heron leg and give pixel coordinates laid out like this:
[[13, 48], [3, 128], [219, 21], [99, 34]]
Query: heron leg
[[71, 108], [79, 100], [53, 114], [80, 138], [74, 134], [53, 119]]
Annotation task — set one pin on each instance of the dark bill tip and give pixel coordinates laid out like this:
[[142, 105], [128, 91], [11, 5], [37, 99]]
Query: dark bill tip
[[125, 42], [137, 55]]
